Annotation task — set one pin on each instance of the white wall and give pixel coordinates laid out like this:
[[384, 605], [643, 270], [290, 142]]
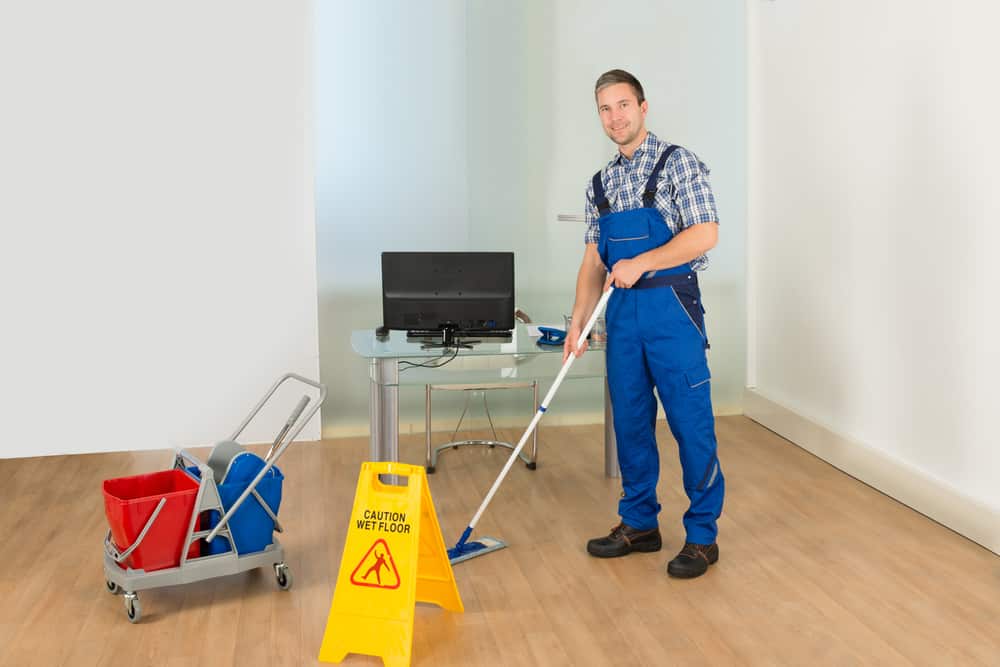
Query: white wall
[[486, 112], [873, 214], [157, 260]]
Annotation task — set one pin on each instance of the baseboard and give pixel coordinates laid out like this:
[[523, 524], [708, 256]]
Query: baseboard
[[929, 496]]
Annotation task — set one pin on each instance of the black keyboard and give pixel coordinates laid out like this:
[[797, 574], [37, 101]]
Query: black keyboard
[[479, 333]]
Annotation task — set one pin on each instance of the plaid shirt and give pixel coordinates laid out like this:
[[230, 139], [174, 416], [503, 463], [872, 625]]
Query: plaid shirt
[[683, 195]]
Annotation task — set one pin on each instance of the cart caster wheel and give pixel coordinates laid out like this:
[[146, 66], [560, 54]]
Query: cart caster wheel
[[430, 470], [491, 446], [532, 465], [132, 607], [113, 588], [283, 575]]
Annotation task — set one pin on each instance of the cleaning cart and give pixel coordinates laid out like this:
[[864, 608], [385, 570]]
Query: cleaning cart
[[198, 521]]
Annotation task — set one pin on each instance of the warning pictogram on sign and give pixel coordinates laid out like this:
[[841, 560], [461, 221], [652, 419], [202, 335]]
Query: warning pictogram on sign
[[377, 569]]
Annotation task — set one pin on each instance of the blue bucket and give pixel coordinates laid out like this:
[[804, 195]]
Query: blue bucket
[[251, 527]]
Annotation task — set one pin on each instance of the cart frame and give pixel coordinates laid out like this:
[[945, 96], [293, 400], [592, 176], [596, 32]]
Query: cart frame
[[125, 580]]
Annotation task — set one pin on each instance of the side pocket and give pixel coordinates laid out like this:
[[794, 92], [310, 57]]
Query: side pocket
[[690, 301], [696, 377]]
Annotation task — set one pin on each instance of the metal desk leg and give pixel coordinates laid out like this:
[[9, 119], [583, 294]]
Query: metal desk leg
[[534, 436], [429, 460], [610, 443], [383, 411]]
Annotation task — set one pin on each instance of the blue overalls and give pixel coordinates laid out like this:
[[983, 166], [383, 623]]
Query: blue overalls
[[656, 338]]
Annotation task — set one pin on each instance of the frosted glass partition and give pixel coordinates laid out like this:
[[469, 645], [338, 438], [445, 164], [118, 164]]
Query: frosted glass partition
[[456, 125]]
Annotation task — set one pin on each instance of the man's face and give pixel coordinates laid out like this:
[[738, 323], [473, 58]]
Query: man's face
[[623, 117]]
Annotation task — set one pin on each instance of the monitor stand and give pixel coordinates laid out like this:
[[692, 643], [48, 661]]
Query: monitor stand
[[448, 339]]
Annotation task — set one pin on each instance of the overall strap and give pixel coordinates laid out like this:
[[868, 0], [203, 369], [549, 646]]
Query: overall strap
[[600, 200], [650, 193]]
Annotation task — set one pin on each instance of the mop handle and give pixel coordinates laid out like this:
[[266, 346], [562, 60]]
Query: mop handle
[[543, 407]]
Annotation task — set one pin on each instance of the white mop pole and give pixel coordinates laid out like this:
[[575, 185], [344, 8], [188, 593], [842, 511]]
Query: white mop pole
[[541, 410]]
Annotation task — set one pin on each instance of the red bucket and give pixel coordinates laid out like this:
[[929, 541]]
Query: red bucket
[[130, 501]]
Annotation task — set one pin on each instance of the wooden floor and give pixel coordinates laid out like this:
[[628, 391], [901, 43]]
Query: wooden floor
[[816, 568]]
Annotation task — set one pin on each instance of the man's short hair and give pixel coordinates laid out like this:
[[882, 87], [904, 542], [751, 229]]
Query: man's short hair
[[614, 76]]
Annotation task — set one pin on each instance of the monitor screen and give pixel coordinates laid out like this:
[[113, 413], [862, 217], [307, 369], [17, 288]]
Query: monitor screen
[[426, 293]]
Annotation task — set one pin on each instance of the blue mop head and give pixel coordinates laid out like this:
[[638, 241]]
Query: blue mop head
[[465, 550]]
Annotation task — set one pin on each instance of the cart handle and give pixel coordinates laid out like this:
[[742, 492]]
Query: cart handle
[[253, 413], [112, 550], [269, 463], [292, 418]]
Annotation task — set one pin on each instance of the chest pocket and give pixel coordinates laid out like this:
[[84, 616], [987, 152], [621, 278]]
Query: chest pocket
[[630, 233]]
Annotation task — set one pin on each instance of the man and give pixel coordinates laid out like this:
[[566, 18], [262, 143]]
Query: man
[[650, 220]]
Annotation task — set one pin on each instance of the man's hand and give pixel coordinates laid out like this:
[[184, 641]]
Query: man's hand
[[625, 273], [572, 336]]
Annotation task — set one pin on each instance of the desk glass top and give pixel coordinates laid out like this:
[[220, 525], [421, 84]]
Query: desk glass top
[[488, 361], [397, 346]]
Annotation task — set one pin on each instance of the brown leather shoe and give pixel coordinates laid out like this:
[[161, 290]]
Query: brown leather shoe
[[624, 540], [693, 560]]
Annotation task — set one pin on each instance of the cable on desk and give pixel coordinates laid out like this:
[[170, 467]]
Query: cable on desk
[[429, 364]]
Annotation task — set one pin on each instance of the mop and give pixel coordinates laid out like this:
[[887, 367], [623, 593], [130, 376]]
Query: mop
[[464, 550]]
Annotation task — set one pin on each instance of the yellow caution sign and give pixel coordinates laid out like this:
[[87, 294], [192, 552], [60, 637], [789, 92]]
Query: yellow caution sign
[[394, 556]]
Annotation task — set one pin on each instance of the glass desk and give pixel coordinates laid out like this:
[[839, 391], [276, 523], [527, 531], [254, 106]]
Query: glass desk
[[516, 359]]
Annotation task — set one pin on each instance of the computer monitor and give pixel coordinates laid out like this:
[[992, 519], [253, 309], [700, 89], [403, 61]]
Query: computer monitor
[[448, 295]]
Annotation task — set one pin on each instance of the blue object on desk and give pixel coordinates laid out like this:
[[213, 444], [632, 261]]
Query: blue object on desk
[[551, 336]]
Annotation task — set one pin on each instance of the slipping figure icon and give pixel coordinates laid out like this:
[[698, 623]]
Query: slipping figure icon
[[377, 568]]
